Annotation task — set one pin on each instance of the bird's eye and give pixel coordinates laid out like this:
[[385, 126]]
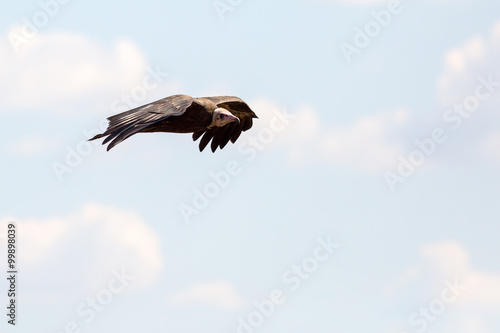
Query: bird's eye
[[222, 116]]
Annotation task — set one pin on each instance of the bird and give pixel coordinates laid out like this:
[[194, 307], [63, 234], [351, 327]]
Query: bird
[[219, 119]]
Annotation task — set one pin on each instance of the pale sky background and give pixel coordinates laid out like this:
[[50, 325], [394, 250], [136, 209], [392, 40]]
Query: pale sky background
[[420, 255]]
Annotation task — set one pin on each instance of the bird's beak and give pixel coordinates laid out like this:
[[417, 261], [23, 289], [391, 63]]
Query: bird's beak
[[233, 118], [230, 117]]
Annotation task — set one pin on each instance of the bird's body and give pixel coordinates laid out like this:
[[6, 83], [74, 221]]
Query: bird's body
[[195, 118], [219, 119]]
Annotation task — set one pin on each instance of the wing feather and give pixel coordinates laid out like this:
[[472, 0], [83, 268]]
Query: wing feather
[[230, 132], [209, 134], [217, 139], [196, 135], [126, 124]]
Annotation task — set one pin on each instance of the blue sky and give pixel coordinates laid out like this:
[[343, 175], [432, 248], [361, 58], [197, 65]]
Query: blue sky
[[364, 199]]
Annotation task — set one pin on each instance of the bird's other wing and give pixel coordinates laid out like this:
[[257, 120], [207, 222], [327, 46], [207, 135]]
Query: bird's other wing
[[220, 136], [126, 124]]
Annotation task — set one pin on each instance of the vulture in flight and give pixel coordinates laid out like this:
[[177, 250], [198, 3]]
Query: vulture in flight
[[217, 119]]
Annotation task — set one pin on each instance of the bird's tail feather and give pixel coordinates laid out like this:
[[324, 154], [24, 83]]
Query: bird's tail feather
[[122, 126]]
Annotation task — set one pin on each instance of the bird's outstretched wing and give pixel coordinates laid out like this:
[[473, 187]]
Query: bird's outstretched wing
[[220, 136], [125, 124]]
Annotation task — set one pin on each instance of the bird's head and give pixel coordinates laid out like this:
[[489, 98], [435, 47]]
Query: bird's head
[[222, 117]]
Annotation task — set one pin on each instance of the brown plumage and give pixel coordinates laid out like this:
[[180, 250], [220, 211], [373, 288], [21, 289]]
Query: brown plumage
[[218, 119]]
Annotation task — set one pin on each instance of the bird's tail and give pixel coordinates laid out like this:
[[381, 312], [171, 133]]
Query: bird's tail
[[122, 126]]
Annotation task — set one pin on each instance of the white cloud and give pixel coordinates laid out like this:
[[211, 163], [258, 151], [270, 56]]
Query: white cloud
[[476, 57], [489, 147], [446, 258], [463, 66], [217, 294], [55, 69], [477, 298], [367, 144], [75, 255], [450, 260]]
